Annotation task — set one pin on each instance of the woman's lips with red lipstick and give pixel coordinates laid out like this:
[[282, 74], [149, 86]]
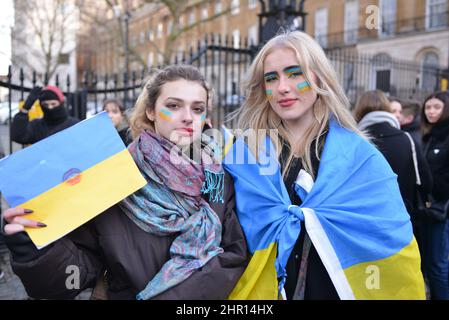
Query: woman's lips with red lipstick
[[186, 131], [286, 102]]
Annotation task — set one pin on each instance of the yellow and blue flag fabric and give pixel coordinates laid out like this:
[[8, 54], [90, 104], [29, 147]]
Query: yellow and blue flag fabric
[[353, 214], [70, 177], [35, 112]]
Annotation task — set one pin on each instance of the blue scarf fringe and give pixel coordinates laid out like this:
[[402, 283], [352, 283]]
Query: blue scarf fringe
[[214, 185]]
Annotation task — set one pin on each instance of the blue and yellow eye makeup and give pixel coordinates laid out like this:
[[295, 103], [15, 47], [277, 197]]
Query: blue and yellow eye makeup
[[165, 115], [271, 76], [293, 71]]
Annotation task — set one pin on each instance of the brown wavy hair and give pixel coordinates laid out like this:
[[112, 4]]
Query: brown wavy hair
[[152, 89]]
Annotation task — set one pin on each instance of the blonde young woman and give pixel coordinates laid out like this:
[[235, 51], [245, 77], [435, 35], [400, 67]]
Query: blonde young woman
[[327, 216], [176, 238]]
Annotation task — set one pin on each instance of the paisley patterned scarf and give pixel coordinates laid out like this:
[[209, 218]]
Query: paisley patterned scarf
[[171, 204]]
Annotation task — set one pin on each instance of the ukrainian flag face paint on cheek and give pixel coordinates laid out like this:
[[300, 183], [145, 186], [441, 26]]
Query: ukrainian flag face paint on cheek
[[303, 87], [165, 115], [203, 120], [269, 94]]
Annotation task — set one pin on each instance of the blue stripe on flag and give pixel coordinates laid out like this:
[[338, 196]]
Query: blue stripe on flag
[[376, 219], [49, 167]]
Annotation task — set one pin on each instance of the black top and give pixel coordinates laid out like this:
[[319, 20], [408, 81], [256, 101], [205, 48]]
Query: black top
[[318, 283], [436, 146]]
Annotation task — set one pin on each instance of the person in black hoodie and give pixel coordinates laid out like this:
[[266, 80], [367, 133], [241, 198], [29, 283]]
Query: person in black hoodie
[[373, 114], [56, 117], [435, 123]]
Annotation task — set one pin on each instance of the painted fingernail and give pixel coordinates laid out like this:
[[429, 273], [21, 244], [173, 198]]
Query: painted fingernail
[[28, 211], [41, 225]]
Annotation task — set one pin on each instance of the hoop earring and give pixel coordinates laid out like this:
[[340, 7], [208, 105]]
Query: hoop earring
[[319, 114]]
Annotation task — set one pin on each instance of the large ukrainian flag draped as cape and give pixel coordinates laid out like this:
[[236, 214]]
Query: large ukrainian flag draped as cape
[[354, 216]]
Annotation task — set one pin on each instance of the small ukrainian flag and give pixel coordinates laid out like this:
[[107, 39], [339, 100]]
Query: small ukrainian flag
[[70, 177]]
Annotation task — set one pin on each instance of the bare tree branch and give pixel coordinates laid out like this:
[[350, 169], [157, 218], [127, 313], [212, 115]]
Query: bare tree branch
[[50, 22]]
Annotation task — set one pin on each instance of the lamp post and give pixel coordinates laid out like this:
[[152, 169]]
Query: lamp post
[[276, 14]]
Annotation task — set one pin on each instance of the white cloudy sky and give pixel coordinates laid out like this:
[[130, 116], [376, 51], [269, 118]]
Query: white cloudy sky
[[6, 22]]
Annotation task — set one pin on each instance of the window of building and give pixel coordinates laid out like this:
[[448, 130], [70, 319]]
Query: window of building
[[236, 38], [204, 13], [381, 65], [387, 17], [142, 37], [150, 59], [252, 4], [351, 21], [150, 35], [181, 22], [63, 58], [436, 13], [160, 59], [235, 7], [218, 7], [192, 17], [134, 41], [321, 26], [429, 74], [179, 54], [169, 27], [253, 34], [160, 29]]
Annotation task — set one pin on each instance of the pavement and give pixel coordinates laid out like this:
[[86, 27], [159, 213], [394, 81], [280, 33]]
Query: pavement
[[11, 287]]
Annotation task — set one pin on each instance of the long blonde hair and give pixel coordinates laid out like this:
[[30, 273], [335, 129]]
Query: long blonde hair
[[152, 88], [256, 112]]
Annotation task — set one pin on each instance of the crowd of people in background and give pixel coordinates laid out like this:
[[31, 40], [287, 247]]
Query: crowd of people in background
[[413, 137]]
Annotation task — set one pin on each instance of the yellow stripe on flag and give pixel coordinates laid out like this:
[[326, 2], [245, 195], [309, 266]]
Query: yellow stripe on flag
[[397, 277], [229, 140], [114, 178], [259, 281]]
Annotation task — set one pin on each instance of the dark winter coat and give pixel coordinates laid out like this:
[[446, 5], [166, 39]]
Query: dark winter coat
[[396, 148], [436, 150], [113, 243], [28, 132], [415, 131]]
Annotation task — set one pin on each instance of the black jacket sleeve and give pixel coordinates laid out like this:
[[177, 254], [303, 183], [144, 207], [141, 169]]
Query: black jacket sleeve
[[219, 276], [52, 272], [22, 130], [424, 172]]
